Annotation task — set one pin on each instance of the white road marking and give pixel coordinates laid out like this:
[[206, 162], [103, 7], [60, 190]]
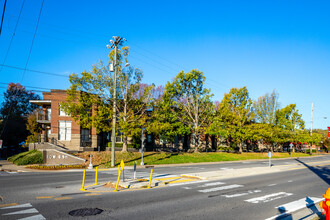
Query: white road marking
[[272, 184], [26, 205], [186, 183], [26, 211], [290, 181], [186, 187], [242, 194], [212, 184], [268, 198], [226, 168], [294, 206], [220, 188], [35, 217]]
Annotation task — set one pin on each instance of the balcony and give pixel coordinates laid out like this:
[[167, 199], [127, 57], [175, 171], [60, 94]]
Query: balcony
[[43, 118]]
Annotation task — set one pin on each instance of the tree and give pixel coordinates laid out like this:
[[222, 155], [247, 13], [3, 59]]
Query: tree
[[13, 113], [16, 102], [290, 123], [235, 114], [264, 110], [33, 127], [90, 97], [163, 121], [190, 102]]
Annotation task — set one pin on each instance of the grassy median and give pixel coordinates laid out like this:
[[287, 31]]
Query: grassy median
[[103, 159]]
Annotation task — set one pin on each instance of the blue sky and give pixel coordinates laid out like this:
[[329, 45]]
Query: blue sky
[[264, 45]]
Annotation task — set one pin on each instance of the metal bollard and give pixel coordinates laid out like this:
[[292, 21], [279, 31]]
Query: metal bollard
[[150, 178], [83, 182], [96, 171], [118, 179]]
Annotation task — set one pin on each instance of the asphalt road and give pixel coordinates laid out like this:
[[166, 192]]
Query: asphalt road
[[54, 195]]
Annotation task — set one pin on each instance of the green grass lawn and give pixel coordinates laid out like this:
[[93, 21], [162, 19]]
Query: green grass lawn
[[154, 158], [29, 157]]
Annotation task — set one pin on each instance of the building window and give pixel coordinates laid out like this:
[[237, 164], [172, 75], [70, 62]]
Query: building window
[[85, 134], [62, 113], [64, 130]]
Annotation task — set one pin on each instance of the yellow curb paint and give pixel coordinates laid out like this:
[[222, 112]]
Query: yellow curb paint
[[45, 197], [104, 169], [7, 205], [167, 178], [182, 181], [93, 194], [63, 198]]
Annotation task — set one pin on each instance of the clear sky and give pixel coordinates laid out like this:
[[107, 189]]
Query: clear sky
[[264, 45]]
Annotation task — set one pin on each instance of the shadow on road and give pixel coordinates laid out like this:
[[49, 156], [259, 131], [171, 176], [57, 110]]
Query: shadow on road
[[322, 172]]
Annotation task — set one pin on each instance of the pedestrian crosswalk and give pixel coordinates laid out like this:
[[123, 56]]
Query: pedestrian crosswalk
[[256, 196], [129, 174], [6, 173], [20, 211]]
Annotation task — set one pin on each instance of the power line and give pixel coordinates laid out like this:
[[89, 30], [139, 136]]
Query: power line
[[35, 32], [3, 15], [34, 87], [12, 37], [36, 71]]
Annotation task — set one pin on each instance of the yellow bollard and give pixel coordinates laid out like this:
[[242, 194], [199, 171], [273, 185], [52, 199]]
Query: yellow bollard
[[96, 170], [119, 173], [150, 178], [83, 182]]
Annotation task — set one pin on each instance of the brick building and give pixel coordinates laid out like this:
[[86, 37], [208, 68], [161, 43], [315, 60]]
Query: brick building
[[60, 129]]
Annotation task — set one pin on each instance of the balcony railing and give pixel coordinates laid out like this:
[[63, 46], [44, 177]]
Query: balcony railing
[[43, 118]]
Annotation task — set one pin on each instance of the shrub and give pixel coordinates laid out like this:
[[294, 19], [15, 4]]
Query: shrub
[[29, 157]]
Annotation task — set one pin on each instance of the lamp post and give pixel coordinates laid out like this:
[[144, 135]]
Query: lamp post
[[114, 44]]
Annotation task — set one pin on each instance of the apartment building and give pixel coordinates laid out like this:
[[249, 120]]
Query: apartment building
[[60, 129]]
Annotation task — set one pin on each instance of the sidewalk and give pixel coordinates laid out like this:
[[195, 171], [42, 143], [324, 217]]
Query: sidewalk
[[10, 167]]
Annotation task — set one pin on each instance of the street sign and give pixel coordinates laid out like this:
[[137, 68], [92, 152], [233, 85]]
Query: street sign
[[270, 154], [0, 143], [122, 164], [291, 145]]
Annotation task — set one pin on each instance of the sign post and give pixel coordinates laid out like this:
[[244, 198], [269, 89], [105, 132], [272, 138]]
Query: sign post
[[270, 154], [134, 170], [90, 162], [291, 145]]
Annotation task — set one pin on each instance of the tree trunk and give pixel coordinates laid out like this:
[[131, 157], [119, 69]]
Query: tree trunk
[[124, 144], [240, 147]]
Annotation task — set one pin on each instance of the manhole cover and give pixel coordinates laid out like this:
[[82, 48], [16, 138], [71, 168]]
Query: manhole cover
[[85, 212]]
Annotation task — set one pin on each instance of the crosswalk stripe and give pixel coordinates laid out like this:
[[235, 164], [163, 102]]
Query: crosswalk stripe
[[220, 188], [212, 184], [241, 194], [26, 205], [294, 206], [27, 211], [270, 197], [35, 217]]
